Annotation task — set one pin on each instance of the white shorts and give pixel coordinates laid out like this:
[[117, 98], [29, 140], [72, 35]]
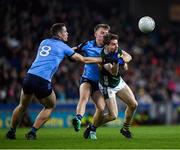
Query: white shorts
[[109, 92]]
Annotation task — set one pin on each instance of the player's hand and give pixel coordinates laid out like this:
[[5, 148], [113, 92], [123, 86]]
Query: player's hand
[[120, 61], [117, 59], [125, 67]]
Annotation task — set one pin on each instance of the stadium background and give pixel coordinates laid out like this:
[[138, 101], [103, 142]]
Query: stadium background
[[153, 74]]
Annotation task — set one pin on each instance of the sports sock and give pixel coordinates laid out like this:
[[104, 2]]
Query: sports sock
[[93, 128], [79, 116], [126, 126], [13, 130], [34, 130]]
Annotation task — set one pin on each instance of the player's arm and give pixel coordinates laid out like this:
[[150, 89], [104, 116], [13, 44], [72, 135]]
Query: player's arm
[[79, 47], [125, 66], [86, 60], [126, 56], [75, 48], [112, 68]]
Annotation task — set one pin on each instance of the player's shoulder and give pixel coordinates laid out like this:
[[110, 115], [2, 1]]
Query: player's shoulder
[[104, 52], [88, 43], [120, 51], [85, 43], [52, 40], [92, 43], [47, 41]]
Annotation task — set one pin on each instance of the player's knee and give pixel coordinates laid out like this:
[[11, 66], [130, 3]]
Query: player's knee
[[83, 100], [100, 108], [134, 105], [22, 107], [50, 106], [113, 116], [99, 111]]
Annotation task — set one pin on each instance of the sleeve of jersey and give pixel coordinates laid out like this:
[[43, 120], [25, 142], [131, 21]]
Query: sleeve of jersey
[[69, 51], [120, 52]]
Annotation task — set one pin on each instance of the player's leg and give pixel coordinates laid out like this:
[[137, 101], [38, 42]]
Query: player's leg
[[112, 111], [49, 104], [84, 92], [102, 119], [110, 100], [127, 96], [99, 102], [18, 113]]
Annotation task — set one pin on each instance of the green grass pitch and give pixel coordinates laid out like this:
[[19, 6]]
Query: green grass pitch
[[146, 137]]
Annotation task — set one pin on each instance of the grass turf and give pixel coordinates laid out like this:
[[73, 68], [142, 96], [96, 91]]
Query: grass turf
[[148, 137]]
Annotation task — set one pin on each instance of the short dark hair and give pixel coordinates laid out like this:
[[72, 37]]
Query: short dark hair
[[108, 37], [105, 26], [56, 28]]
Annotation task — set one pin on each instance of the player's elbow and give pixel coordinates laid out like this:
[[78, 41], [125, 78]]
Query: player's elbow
[[130, 58], [82, 59], [78, 57], [114, 73]]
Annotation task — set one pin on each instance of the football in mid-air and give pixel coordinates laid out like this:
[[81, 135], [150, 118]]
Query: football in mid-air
[[146, 24]]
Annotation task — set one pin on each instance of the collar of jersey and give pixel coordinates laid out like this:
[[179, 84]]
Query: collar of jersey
[[55, 38], [105, 51], [95, 44]]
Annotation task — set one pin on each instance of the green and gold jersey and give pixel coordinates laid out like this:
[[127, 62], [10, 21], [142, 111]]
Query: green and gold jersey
[[106, 78]]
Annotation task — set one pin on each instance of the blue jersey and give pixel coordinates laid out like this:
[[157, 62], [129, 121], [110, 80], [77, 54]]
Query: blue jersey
[[91, 71], [50, 54]]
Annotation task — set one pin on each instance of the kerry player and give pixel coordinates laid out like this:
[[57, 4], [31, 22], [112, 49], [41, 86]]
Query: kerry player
[[111, 85]]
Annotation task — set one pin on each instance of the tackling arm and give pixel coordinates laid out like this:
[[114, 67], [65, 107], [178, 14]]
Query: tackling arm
[[75, 48], [86, 60]]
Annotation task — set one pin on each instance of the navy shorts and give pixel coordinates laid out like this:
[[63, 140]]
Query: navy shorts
[[36, 85], [94, 85]]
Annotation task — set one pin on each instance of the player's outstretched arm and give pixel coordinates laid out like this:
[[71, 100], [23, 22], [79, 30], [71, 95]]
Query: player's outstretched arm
[[86, 60], [75, 48], [126, 56]]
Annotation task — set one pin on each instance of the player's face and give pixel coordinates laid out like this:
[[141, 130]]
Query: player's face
[[113, 46], [99, 35], [63, 34]]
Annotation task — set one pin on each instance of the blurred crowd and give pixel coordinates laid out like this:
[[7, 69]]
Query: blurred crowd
[[153, 73]]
